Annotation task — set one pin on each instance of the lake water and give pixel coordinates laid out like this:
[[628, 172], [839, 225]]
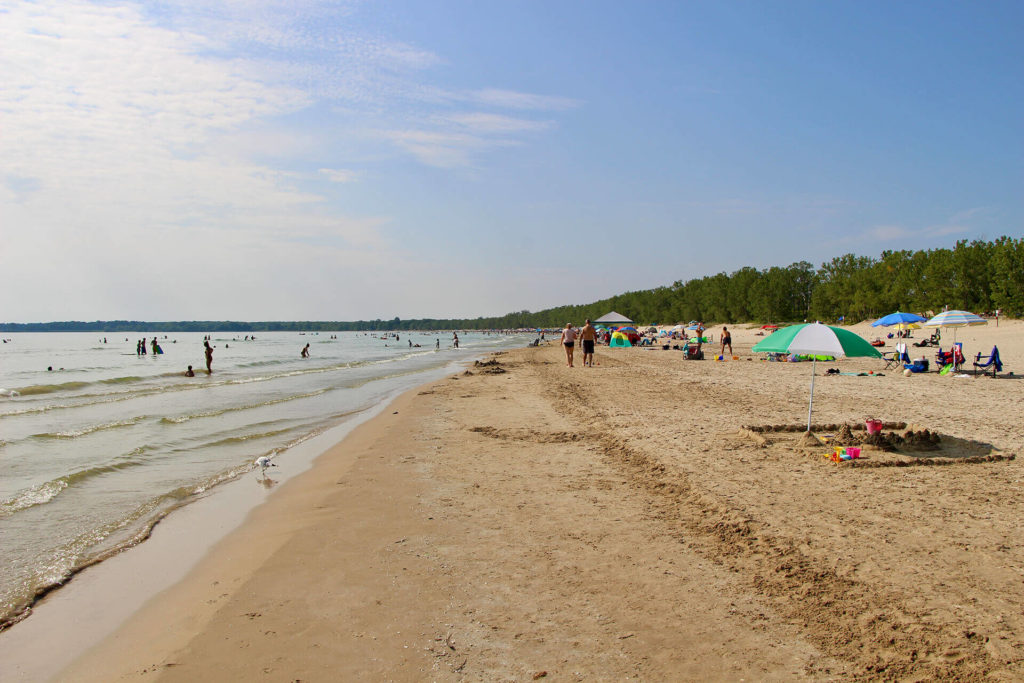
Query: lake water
[[97, 450]]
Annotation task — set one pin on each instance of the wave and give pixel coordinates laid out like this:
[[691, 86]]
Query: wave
[[242, 438], [75, 433], [100, 544], [41, 494], [123, 380], [82, 400], [251, 406], [36, 389]]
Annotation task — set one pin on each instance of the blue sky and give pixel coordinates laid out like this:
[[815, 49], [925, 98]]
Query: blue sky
[[341, 160]]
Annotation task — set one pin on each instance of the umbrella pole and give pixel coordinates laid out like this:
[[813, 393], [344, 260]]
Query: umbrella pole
[[810, 406]]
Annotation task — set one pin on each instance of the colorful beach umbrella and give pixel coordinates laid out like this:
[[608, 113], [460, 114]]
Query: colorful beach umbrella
[[815, 339], [627, 328], [898, 318], [955, 319]]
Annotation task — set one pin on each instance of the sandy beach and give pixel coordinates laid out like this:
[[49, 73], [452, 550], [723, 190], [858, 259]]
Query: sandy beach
[[523, 520]]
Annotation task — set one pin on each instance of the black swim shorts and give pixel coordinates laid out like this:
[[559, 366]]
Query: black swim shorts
[[569, 344], [588, 346]]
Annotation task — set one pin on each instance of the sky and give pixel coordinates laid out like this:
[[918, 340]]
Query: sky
[[308, 160]]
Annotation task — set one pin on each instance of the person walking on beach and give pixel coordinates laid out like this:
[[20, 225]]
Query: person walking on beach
[[568, 342], [588, 335], [305, 351], [209, 357], [726, 340]]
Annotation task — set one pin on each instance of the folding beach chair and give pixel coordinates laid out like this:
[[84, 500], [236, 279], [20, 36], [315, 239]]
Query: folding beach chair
[[954, 357], [990, 361]]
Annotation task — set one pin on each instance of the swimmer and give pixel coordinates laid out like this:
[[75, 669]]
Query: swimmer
[[190, 372]]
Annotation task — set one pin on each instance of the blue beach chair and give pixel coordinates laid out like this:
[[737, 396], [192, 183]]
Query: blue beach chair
[[991, 361]]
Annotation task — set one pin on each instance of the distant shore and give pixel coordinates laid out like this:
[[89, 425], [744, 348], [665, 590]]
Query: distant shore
[[527, 519]]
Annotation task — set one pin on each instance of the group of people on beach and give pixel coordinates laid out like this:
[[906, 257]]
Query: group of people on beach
[[588, 338]]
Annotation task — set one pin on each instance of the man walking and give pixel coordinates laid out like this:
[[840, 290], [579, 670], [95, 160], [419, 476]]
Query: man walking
[[588, 335]]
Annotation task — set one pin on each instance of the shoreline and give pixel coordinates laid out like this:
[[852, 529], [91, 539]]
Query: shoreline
[[168, 620], [108, 591], [529, 518]]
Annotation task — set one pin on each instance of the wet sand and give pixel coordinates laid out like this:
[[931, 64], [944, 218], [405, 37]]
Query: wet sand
[[528, 519]]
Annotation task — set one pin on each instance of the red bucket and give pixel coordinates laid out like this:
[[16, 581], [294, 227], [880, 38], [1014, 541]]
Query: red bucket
[[874, 426]]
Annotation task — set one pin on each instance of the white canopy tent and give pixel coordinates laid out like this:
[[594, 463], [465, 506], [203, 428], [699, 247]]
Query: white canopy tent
[[613, 318]]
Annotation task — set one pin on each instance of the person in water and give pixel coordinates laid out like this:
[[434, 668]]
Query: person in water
[[190, 372], [305, 351], [209, 357]]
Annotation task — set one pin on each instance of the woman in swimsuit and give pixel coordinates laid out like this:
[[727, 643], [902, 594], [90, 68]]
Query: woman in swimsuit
[[568, 342]]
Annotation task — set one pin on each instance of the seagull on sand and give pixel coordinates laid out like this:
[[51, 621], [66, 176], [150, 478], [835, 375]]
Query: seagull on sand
[[263, 462]]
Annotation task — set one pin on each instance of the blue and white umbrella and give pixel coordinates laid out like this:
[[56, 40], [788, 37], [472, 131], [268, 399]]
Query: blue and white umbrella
[[897, 318], [955, 319]]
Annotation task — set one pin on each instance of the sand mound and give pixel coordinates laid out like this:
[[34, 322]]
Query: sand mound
[[809, 440], [845, 437]]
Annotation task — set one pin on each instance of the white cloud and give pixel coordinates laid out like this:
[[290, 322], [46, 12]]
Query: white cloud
[[442, 149], [891, 233], [519, 100], [154, 151], [340, 175], [496, 123]]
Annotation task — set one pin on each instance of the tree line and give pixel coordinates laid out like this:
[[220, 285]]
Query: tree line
[[978, 276]]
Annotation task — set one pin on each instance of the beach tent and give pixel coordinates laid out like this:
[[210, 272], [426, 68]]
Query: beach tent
[[614, 318], [816, 340], [619, 339]]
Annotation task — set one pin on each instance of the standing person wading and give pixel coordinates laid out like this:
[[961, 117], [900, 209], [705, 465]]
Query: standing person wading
[[568, 342], [209, 357]]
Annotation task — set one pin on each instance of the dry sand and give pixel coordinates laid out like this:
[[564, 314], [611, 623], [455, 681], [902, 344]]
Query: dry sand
[[528, 520]]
